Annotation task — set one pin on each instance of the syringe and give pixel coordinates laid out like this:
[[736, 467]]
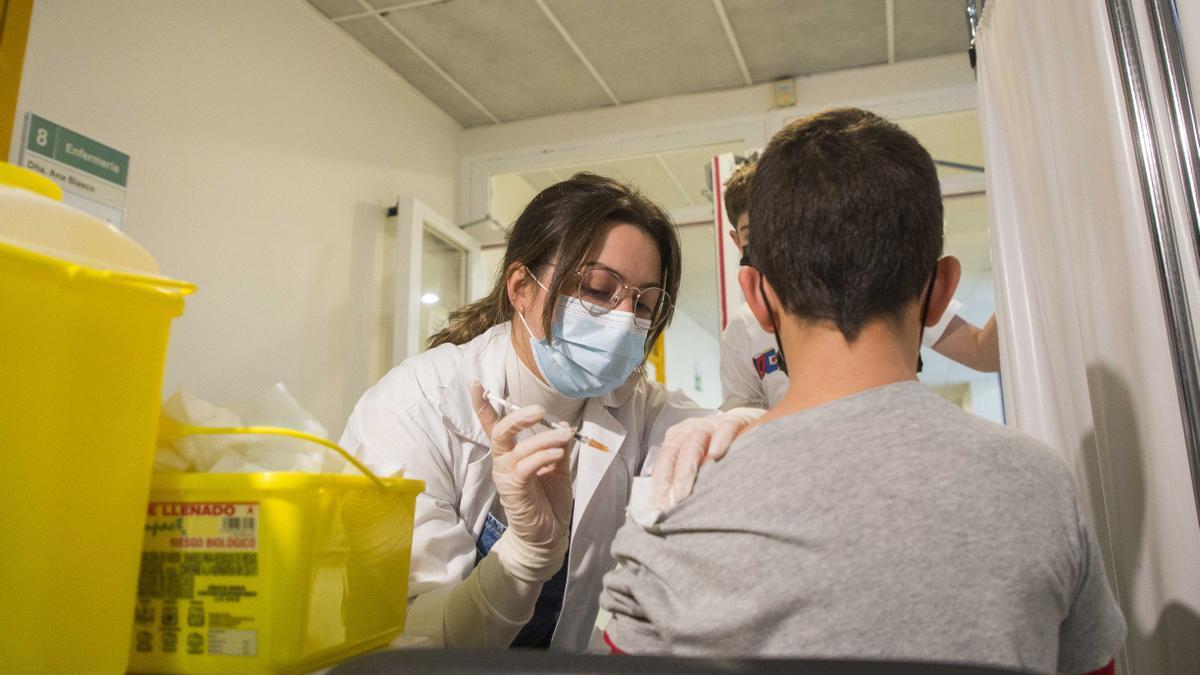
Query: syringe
[[508, 407]]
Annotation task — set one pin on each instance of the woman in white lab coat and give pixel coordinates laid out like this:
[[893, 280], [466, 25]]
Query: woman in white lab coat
[[502, 553]]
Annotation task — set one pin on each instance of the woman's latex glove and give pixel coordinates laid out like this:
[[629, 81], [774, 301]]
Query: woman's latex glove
[[533, 481], [689, 444]]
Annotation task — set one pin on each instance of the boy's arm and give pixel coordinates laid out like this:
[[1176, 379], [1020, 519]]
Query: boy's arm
[[629, 630], [636, 594], [977, 348]]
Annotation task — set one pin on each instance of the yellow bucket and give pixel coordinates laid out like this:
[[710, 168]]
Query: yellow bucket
[[271, 572], [82, 351]]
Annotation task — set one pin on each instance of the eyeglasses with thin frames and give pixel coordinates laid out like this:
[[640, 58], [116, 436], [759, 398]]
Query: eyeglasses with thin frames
[[603, 289]]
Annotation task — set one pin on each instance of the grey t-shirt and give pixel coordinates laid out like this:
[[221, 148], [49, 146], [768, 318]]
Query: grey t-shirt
[[888, 524]]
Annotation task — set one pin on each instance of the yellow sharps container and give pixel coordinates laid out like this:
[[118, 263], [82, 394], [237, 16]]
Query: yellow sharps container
[[84, 319]]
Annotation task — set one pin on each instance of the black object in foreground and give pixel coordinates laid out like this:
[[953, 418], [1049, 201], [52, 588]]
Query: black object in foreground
[[470, 661]]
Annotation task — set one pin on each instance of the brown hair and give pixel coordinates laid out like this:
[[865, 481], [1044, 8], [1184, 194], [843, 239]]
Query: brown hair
[[561, 226], [737, 192], [847, 218]]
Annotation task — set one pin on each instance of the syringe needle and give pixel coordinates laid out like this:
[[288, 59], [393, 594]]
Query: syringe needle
[[508, 407]]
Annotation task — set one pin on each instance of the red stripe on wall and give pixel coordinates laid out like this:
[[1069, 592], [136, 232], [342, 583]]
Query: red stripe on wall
[[719, 200]]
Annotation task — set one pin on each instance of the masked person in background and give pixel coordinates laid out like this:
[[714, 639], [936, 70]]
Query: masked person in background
[[751, 371], [511, 537]]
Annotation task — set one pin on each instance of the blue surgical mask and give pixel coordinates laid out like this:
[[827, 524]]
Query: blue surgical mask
[[587, 355]]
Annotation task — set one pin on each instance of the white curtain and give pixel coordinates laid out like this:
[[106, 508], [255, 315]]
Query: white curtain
[[1086, 362]]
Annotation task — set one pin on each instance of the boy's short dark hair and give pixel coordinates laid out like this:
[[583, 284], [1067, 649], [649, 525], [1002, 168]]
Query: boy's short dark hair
[[737, 192], [847, 218]]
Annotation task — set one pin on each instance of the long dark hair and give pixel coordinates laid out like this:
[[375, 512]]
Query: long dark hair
[[561, 226]]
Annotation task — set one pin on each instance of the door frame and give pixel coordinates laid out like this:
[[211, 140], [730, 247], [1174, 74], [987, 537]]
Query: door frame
[[413, 218]]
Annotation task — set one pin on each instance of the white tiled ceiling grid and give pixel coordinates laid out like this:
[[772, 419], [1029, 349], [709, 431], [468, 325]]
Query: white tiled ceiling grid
[[492, 61]]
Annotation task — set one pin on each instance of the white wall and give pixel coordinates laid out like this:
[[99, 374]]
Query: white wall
[[693, 360], [264, 145]]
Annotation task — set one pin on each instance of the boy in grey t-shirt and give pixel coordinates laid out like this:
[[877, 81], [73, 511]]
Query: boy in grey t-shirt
[[863, 516]]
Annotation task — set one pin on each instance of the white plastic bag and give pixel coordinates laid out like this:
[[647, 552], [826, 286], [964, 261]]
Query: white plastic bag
[[244, 453]]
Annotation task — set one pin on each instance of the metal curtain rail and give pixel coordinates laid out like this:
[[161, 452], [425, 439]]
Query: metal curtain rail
[[959, 165], [1168, 44], [1144, 135], [1172, 63]]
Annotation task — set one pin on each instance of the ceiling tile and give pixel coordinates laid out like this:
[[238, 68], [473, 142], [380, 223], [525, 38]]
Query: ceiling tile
[[782, 38], [371, 32], [506, 53], [641, 60], [336, 8], [929, 28]]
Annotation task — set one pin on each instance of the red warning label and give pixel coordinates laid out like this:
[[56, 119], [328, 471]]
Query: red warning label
[[202, 526]]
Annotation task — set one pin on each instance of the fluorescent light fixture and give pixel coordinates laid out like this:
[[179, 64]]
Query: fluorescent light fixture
[[429, 298]]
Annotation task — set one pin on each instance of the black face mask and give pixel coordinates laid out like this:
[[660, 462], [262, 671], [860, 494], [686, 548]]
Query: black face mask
[[924, 315], [779, 343], [775, 325], [745, 261]]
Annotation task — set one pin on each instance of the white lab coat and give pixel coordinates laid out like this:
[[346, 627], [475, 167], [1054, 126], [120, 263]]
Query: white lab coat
[[420, 417]]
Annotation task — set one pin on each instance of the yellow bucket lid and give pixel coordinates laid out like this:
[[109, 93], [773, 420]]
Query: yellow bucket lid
[[33, 217], [36, 225], [15, 176]]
